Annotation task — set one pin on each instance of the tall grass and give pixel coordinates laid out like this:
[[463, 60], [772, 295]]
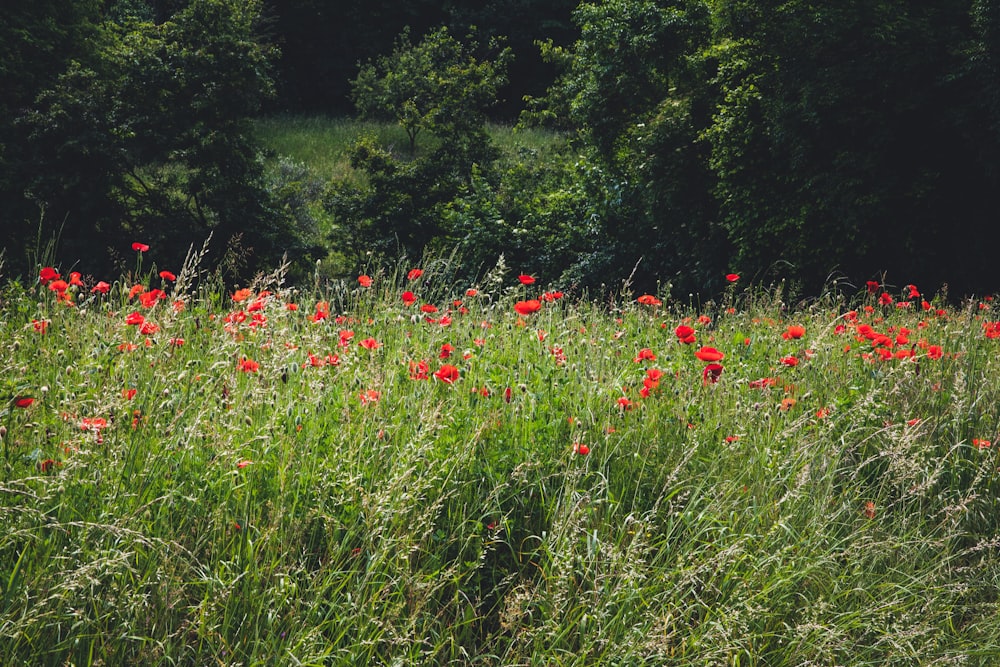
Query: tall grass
[[330, 507]]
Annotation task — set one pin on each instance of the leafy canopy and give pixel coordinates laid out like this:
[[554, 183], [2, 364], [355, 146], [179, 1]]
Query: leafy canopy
[[150, 139], [436, 85]]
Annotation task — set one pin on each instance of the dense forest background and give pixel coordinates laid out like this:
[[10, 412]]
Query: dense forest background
[[816, 142]]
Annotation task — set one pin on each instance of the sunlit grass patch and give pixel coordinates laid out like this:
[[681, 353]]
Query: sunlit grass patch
[[321, 142]]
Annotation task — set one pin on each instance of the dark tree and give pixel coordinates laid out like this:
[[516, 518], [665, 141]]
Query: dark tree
[[38, 40], [151, 141], [437, 86], [637, 90], [855, 137], [323, 42]]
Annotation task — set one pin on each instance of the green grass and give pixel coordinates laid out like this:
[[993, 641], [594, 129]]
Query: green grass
[[841, 513], [321, 142]]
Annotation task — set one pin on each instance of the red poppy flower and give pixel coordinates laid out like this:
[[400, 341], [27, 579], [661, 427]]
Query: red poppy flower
[[649, 300], [882, 340], [526, 280], [580, 448], [885, 299], [447, 374], [763, 382], [446, 351], [47, 275], [552, 296], [345, 337], [935, 352], [869, 510], [528, 307], [711, 373], [652, 379], [246, 365], [981, 444], [167, 275], [365, 281], [428, 308], [58, 285], [471, 292], [645, 354], [872, 286], [409, 298], [23, 401], [101, 287], [149, 299], [709, 354], [419, 370], [74, 279], [241, 295], [369, 396], [140, 247], [413, 274], [40, 325], [134, 319], [369, 344], [790, 360], [129, 394], [148, 328], [794, 331], [732, 277], [93, 424], [685, 334]]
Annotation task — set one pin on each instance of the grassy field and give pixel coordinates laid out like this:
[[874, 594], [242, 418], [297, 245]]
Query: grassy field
[[321, 142], [415, 471]]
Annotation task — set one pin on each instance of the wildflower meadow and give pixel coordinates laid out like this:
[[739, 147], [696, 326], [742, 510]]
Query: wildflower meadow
[[404, 469]]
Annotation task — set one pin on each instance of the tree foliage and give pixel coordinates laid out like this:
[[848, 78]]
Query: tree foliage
[[149, 140], [632, 89], [777, 139], [436, 86], [322, 42], [791, 139], [850, 138], [38, 40]]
